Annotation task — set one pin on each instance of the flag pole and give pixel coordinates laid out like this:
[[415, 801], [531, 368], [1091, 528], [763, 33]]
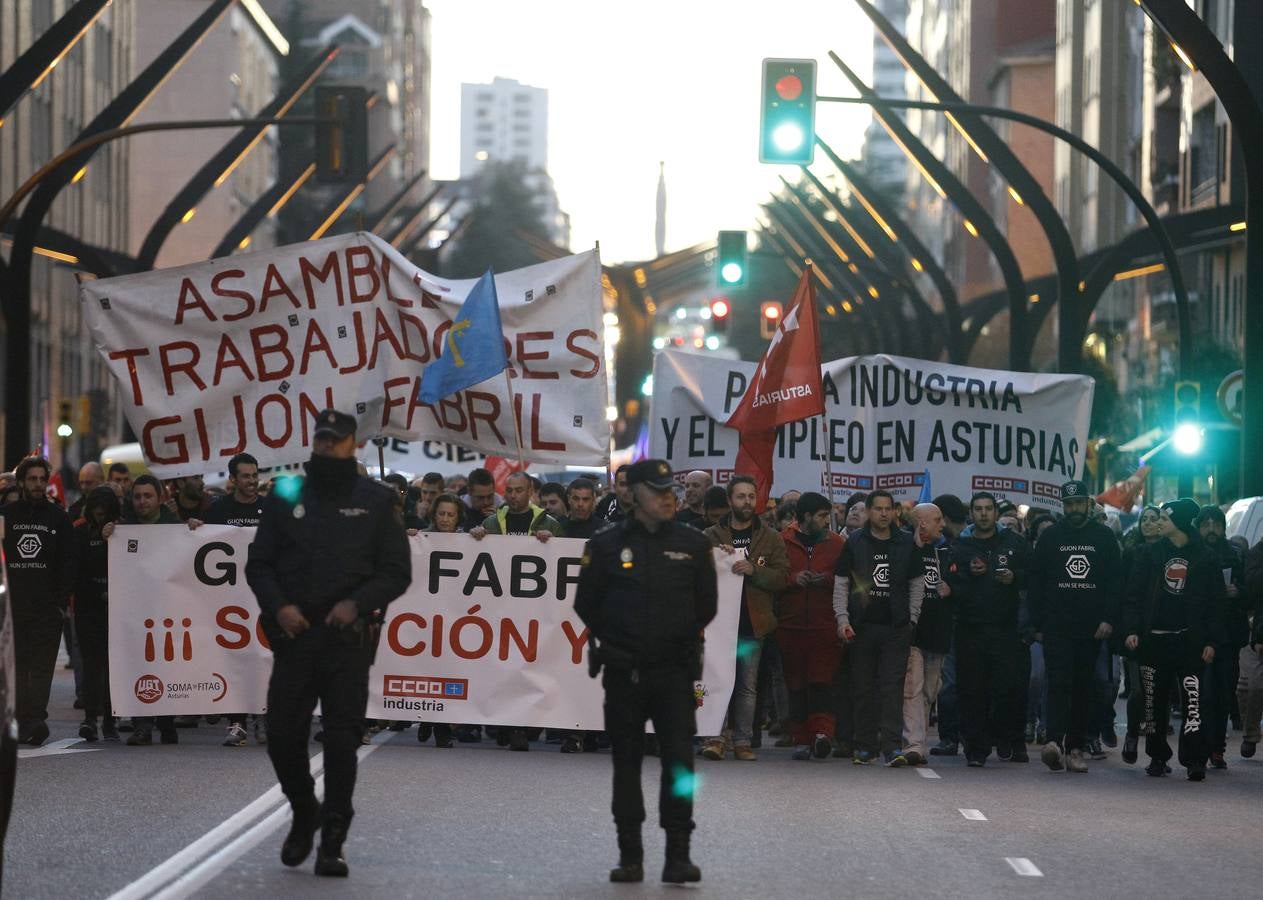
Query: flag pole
[[381, 457], [825, 435], [517, 426]]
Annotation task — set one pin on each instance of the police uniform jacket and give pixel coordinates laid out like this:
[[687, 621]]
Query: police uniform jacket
[[314, 548], [647, 595]]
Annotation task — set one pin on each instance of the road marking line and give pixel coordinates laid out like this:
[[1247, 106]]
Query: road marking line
[[200, 875], [973, 815], [927, 773], [172, 867], [61, 747], [1023, 866]]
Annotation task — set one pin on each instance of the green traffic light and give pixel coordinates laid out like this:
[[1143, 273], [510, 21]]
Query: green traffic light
[[788, 137], [1187, 439], [787, 121], [731, 272]]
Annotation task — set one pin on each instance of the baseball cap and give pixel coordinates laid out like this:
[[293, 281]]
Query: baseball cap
[[334, 424], [1075, 490], [655, 473]]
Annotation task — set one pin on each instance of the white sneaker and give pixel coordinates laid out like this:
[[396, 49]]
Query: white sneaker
[[236, 736]]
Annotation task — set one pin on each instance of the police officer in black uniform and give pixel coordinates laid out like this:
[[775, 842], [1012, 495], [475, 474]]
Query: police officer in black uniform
[[330, 553], [646, 591]]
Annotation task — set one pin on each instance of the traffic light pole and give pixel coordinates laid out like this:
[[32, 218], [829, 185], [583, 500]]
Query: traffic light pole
[[1133, 193]]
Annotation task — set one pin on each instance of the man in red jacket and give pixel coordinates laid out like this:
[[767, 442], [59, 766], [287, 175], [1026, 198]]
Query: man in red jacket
[[807, 635]]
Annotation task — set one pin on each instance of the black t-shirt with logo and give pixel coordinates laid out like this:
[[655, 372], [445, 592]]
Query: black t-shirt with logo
[[228, 511], [1076, 579], [934, 628], [874, 583]]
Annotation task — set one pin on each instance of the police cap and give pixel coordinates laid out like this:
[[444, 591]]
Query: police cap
[[334, 424], [655, 473]]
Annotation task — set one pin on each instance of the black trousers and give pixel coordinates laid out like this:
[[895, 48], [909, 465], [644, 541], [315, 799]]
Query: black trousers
[[1069, 667], [989, 688], [879, 663], [844, 709], [331, 666], [36, 639], [1170, 660], [665, 697], [92, 628], [1221, 692]]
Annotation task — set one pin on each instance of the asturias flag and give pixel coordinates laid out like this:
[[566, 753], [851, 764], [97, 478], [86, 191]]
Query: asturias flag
[[473, 348], [785, 388]]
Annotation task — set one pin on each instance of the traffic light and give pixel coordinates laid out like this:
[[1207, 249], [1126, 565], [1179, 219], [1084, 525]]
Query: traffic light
[[342, 144], [769, 318], [734, 259], [1187, 436], [787, 124], [65, 430], [719, 310]]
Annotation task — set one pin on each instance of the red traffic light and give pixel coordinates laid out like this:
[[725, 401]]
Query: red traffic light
[[771, 310], [789, 87], [719, 308]]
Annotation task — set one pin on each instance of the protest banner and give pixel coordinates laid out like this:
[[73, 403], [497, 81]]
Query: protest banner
[[486, 634], [888, 422], [238, 354]]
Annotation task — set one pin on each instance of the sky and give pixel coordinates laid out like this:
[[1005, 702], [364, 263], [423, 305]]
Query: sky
[[630, 84]]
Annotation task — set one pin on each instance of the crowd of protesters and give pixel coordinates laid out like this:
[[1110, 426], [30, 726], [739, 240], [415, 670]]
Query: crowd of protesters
[[861, 624]]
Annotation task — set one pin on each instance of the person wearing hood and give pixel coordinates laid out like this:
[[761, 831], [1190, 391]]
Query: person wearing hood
[[329, 555], [1072, 592], [988, 574], [1173, 619], [805, 632]]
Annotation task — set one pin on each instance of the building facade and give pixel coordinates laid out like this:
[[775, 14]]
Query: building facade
[[95, 209]]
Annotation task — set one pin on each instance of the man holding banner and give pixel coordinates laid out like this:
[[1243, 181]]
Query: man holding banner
[[329, 555]]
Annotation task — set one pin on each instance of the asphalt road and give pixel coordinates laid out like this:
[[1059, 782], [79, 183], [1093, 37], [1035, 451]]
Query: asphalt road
[[479, 821]]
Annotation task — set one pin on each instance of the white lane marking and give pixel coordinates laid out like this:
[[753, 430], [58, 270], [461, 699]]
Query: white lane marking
[[1023, 866], [172, 867], [927, 773], [198, 877], [973, 815], [56, 748]]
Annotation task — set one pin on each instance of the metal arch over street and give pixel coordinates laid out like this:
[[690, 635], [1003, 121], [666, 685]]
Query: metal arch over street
[[909, 243], [34, 65], [997, 151], [966, 203], [17, 300]]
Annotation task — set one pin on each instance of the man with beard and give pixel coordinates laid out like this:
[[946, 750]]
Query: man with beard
[[1223, 672], [877, 592], [1075, 579], [39, 552], [1172, 616], [989, 574], [329, 556], [581, 498], [764, 567], [188, 498]]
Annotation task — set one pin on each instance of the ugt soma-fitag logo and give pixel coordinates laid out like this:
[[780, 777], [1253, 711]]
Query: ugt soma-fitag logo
[[149, 688], [422, 693]]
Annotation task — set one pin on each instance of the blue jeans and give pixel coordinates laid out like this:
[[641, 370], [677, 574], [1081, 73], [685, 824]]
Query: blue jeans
[[745, 690]]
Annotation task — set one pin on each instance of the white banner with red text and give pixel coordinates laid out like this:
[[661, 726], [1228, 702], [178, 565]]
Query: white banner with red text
[[485, 635], [238, 354], [888, 422]]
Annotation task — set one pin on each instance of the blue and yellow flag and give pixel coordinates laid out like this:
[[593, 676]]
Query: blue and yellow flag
[[473, 348]]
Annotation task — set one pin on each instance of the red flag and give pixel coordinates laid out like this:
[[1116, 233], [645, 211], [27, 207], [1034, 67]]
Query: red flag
[[786, 387], [1124, 494], [501, 468], [57, 489]]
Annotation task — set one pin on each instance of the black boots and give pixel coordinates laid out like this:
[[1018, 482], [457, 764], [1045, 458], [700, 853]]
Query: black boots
[[679, 868], [631, 855], [329, 859], [302, 831]]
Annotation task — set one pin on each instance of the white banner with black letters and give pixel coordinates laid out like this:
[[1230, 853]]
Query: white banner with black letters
[[486, 634], [890, 420]]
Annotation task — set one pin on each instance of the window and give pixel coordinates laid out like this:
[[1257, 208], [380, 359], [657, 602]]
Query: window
[[1202, 148], [41, 17]]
